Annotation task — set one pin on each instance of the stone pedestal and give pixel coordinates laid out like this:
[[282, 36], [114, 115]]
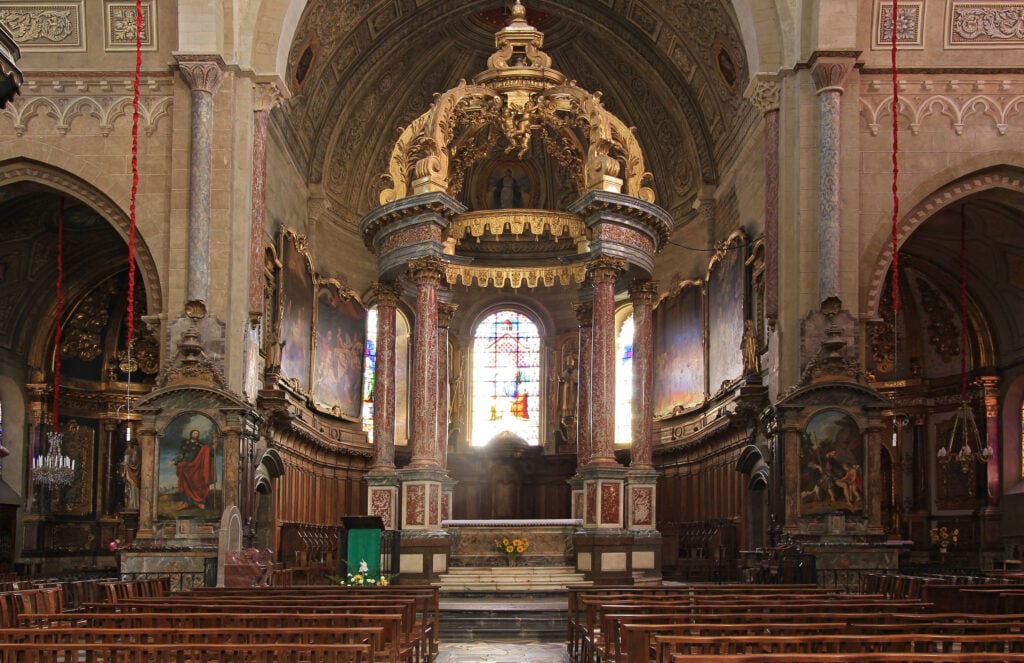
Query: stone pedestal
[[425, 547], [382, 497]]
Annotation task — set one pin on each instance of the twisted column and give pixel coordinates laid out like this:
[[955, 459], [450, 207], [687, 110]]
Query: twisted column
[[603, 271], [203, 75], [642, 294], [426, 273]]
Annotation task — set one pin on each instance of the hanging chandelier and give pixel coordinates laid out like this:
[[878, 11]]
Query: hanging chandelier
[[53, 469], [964, 445]]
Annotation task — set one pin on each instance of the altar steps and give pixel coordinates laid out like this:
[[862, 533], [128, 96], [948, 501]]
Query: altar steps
[[510, 579], [506, 604]]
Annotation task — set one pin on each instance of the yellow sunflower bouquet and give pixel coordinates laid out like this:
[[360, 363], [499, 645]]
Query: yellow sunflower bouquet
[[512, 548]]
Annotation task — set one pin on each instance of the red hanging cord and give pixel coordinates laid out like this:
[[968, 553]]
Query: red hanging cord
[[135, 178], [895, 169], [59, 306], [963, 303]]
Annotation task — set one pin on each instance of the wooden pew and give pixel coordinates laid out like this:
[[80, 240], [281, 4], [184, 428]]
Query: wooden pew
[[185, 653], [868, 657]]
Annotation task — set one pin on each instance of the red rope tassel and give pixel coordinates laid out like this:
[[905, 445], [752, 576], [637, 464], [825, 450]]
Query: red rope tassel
[[895, 168], [59, 312], [963, 303]]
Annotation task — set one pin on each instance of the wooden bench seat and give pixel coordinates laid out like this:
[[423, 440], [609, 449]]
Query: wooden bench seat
[[869, 657], [108, 652]]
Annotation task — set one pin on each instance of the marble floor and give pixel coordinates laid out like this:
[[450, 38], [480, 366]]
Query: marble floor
[[501, 652]]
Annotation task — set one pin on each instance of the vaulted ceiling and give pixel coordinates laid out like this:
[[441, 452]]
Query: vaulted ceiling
[[359, 71]]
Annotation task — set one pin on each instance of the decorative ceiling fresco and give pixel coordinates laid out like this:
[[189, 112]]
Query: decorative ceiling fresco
[[360, 70]]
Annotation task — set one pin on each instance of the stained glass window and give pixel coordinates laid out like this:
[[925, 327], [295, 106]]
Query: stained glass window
[[506, 378], [369, 371], [624, 382]]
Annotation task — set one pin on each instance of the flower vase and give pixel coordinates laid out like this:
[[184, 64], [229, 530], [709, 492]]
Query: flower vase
[[511, 560]]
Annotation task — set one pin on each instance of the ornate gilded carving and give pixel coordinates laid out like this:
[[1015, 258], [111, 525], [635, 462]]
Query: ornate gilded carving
[[518, 223], [517, 95], [83, 333], [387, 293], [531, 276], [943, 331], [426, 270], [603, 269], [882, 335]]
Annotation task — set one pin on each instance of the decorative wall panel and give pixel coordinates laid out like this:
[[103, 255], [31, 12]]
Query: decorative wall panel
[[120, 24], [49, 26]]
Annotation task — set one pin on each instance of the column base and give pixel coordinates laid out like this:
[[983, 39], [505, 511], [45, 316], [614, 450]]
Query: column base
[[382, 497]]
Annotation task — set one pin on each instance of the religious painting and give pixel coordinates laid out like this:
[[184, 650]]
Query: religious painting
[[340, 346], [190, 459], [78, 442], [296, 310], [679, 346], [831, 465], [509, 184], [726, 294]]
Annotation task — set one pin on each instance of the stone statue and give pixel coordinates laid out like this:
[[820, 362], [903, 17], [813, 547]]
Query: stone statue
[[751, 353], [568, 381], [131, 471]]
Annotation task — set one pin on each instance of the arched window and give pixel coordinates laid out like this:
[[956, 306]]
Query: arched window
[[369, 372], [401, 375], [506, 378], [624, 381]]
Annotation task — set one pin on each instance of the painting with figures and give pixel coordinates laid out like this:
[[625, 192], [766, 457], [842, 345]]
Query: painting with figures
[[679, 346], [831, 464], [340, 346], [297, 312], [190, 456]]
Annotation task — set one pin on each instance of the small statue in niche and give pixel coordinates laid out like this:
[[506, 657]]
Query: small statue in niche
[[568, 381], [751, 351], [131, 471]]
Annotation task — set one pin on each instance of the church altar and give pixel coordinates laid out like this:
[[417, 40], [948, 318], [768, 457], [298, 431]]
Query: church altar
[[551, 541]]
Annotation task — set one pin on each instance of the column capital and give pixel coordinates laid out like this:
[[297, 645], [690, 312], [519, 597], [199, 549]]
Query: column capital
[[445, 313], [203, 73], [266, 97], [584, 313], [765, 92], [643, 291], [829, 69], [386, 293], [605, 269], [426, 270]]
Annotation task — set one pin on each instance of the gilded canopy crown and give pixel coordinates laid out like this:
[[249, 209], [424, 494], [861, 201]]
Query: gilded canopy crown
[[519, 96]]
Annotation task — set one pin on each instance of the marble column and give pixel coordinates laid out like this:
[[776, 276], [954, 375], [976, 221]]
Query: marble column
[[828, 77], [382, 480], [766, 97], [603, 272], [642, 294], [445, 312], [585, 316], [203, 74], [267, 96], [427, 274]]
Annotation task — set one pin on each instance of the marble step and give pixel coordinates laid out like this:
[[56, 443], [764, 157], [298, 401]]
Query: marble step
[[528, 618], [510, 579]]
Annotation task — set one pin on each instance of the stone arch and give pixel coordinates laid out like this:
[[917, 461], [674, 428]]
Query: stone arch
[[269, 28], [1005, 177], [25, 170], [762, 36]]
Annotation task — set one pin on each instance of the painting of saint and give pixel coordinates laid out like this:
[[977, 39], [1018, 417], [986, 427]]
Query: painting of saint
[[726, 294], [679, 346], [297, 317], [340, 348], [509, 187], [189, 476], [832, 465]]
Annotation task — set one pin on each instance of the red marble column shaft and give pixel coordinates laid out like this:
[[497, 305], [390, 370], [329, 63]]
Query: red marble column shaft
[[427, 274], [387, 295], [642, 294], [603, 272], [444, 319], [584, 446]]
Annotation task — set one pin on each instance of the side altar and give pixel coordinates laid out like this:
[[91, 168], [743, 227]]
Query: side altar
[[550, 541]]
